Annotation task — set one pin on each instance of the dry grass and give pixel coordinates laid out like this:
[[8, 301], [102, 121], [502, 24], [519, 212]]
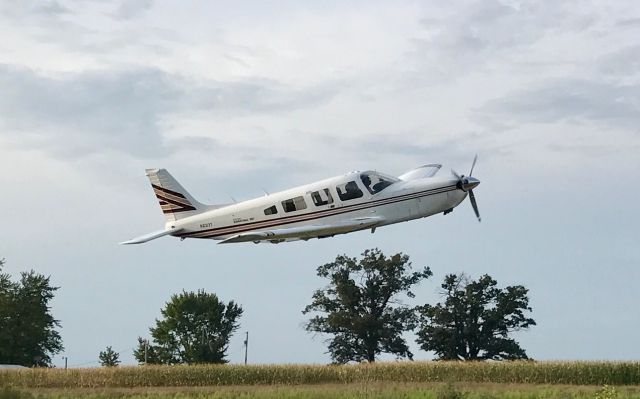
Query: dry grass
[[575, 373], [345, 391]]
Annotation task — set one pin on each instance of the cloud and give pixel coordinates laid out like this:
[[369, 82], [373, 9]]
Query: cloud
[[570, 100], [76, 114], [622, 63], [132, 8], [459, 40], [629, 22], [26, 10]]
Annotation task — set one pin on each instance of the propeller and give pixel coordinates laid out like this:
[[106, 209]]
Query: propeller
[[467, 183]]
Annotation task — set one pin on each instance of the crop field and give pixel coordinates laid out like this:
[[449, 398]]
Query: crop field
[[381, 380]]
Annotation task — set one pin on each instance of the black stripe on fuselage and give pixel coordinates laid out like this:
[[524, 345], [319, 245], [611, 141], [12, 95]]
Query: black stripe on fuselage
[[218, 231]]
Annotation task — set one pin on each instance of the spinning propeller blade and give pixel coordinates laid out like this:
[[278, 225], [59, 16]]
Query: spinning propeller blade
[[473, 165], [472, 198]]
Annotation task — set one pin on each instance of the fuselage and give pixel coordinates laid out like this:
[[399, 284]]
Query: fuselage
[[328, 202]]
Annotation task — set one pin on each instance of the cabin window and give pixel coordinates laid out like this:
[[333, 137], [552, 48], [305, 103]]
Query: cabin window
[[322, 197], [374, 182], [294, 204], [272, 210], [349, 191]]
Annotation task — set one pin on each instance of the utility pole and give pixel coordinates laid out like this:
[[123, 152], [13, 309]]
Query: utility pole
[[146, 350], [65, 361], [246, 347]]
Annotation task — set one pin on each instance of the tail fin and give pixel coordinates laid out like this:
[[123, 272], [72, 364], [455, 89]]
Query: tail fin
[[175, 201]]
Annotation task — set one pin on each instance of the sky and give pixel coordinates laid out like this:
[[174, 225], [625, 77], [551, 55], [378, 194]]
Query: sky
[[235, 98]]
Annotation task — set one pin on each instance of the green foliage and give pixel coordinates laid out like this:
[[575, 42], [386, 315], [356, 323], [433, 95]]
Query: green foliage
[[475, 320], [449, 391], [196, 328], [361, 306], [10, 393], [28, 335], [109, 357]]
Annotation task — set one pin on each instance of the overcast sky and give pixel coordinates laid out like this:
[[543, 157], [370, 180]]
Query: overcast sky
[[233, 99]]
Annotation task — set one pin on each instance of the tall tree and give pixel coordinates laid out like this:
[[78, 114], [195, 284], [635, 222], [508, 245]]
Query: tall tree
[[195, 328], [475, 320], [28, 335], [361, 307], [109, 357]]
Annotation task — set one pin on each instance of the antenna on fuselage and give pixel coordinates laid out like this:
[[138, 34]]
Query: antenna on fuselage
[[266, 193]]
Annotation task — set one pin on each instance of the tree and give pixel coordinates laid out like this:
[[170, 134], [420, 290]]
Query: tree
[[28, 335], [109, 357], [196, 328], [475, 320], [362, 307]]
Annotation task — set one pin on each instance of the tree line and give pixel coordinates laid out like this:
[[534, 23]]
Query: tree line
[[362, 311]]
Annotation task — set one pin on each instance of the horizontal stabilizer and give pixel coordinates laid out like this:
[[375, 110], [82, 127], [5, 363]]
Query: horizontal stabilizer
[[150, 236], [305, 232]]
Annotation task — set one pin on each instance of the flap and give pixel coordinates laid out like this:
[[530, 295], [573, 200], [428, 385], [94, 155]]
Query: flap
[[303, 232]]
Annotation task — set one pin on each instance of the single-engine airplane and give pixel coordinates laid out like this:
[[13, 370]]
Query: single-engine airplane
[[339, 205]]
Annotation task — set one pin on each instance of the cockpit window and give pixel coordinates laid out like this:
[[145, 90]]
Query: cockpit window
[[374, 182], [349, 191], [322, 197]]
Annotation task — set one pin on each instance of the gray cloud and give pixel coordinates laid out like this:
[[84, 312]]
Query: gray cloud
[[129, 9], [572, 100], [479, 28], [88, 112], [622, 63], [475, 36], [629, 22], [26, 10]]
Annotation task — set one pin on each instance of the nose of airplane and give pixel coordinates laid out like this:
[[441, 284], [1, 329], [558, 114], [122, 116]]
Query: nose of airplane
[[470, 183]]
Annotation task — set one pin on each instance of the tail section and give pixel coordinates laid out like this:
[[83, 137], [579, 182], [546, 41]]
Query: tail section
[[175, 201]]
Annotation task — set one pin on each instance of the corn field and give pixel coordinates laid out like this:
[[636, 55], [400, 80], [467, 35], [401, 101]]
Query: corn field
[[574, 373]]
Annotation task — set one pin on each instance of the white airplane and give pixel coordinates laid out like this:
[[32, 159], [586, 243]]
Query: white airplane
[[339, 205]]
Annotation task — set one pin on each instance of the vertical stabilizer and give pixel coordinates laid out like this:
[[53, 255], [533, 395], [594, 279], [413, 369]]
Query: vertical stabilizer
[[175, 201]]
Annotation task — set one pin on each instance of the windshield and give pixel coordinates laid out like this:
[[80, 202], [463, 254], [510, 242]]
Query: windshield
[[375, 182]]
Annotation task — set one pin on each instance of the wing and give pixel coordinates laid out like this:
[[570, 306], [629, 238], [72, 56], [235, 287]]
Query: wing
[[305, 232], [150, 236]]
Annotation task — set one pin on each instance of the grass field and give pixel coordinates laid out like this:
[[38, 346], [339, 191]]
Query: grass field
[[346, 391], [439, 380]]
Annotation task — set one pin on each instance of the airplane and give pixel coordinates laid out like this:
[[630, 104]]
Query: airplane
[[339, 205]]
